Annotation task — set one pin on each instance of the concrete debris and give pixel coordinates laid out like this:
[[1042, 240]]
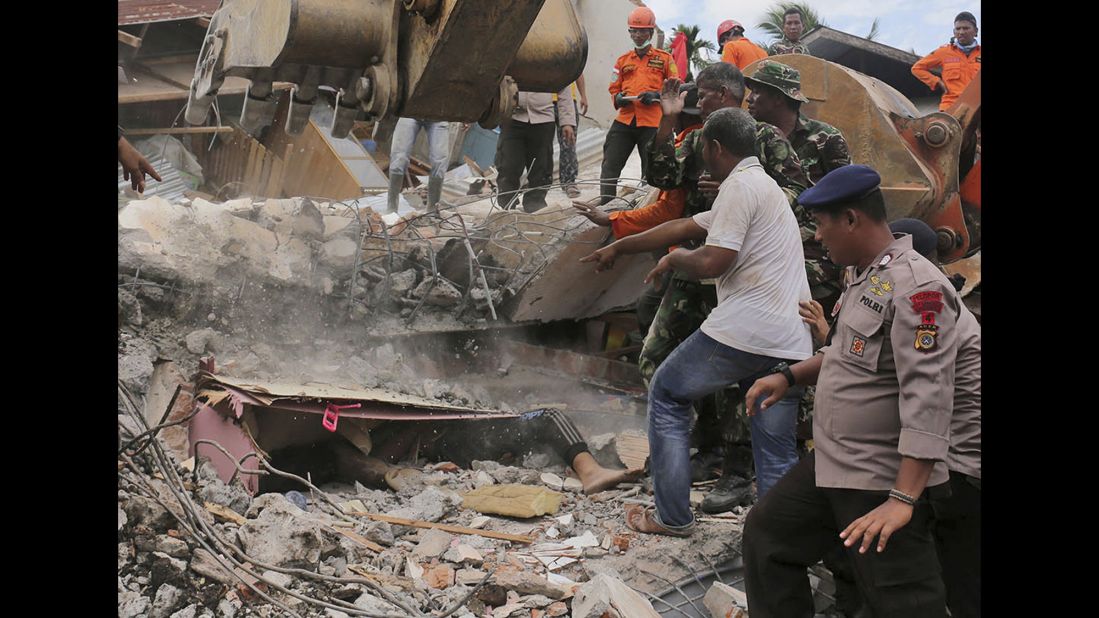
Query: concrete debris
[[724, 601], [167, 599], [204, 564], [380, 532], [440, 293], [480, 521], [432, 544], [163, 543], [553, 481], [513, 500], [282, 535], [370, 603], [131, 604], [439, 577], [607, 596], [469, 577], [525, 582]]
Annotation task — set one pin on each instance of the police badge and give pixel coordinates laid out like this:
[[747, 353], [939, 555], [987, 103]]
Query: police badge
[[927, 333]]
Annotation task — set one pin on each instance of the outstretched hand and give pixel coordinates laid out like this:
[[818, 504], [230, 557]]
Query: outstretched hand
[[134, 166], [604, 258], [672, 101], [589, 210]]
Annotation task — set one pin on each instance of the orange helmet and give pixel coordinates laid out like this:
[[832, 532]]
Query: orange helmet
[[642, 17], [726, 26]]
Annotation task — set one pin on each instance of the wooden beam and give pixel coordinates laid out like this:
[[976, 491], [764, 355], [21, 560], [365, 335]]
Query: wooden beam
[[129, 39], [179, 130], [415, 523]]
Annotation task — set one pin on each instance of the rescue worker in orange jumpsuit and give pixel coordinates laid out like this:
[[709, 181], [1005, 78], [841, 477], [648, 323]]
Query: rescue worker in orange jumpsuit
[[958, 61], [736, 49], [638, 77]]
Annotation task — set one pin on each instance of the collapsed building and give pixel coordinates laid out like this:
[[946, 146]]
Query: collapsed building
[[266, 301]]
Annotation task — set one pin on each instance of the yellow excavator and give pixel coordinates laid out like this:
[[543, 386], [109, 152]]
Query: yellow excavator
[[464, 60]]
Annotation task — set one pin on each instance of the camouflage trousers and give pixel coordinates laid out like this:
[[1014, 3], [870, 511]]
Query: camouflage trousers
[[567, 164], [683, 308]]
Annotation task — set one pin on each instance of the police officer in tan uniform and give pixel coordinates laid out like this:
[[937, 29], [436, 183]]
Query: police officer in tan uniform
[[881, 421]]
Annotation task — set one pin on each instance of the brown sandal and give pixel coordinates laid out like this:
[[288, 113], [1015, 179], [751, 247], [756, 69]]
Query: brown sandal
[[644, 520]]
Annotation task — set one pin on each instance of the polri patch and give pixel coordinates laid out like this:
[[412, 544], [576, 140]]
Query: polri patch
[[858, 345], [871, 304], [927, 333]]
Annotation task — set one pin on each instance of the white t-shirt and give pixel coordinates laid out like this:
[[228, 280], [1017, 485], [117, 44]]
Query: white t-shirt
[[757, 299]]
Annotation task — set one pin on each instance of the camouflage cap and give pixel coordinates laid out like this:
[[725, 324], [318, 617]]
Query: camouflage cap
[[770, 73]]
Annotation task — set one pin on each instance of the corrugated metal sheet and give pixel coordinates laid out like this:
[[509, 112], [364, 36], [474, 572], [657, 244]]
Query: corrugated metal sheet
[[151, 11], [171, 188]]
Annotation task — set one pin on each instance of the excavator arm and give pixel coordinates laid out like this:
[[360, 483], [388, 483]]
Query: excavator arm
[[456, 60]]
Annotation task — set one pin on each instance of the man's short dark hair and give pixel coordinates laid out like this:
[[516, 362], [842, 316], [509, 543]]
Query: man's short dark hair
[[733, 128], [722, 74], [793, 11], [872, 204], [966, 16]]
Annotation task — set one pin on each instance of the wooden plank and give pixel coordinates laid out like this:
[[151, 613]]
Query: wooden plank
[[361, 540], [225, 513], [415, 523], [179, 130], [128, 39]]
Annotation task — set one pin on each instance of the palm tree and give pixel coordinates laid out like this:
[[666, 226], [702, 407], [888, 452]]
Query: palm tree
[[873, 30], [774, 18], [694, 45]]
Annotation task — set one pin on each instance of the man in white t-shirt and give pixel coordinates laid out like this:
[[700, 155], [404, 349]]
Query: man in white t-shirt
[[753, 248]]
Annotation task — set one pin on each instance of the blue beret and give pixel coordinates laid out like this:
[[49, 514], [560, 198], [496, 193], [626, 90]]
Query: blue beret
[[843, 184], [924, 239]]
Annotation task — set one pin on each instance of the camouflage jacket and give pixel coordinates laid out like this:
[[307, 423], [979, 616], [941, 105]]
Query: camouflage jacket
[[821, 147], [785, 46], [671, 167]]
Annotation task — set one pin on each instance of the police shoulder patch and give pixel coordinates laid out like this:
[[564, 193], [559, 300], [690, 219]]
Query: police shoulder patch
[[927, 333]]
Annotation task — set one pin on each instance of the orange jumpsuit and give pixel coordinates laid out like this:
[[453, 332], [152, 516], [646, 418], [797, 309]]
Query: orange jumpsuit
[[742, 52], [668, 206], [633, 75], [957, 68]]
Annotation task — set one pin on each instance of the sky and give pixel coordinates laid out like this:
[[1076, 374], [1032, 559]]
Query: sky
[[904, 24]]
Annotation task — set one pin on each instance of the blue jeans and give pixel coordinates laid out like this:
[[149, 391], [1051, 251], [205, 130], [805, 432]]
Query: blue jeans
[[697, 367], [404, 136]]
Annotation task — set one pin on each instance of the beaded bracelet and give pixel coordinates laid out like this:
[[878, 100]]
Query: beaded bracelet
[[903, 497]]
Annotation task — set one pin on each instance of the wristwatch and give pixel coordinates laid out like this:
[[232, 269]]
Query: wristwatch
[[784, 369]]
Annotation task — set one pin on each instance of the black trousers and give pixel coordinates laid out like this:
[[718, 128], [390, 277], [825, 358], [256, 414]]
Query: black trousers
[[957, 532], [797, 523], [620, 142], [525, 146]]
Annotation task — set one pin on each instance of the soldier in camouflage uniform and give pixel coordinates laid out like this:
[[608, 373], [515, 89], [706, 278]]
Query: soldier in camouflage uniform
[[776, 99], [686, 303], [790, 43]]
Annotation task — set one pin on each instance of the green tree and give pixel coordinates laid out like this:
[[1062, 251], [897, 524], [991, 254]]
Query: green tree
[[774, 18], [695, 59]]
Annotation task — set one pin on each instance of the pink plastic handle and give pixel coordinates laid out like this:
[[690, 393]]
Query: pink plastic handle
[[332, 415]]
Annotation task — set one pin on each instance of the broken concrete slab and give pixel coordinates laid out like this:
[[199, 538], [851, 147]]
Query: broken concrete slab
[[605, 595], [439, 577], [724, 601], [439, 292], [469, 577], [432, 544], [525, 582], [513, 500], [167, 599], [172, 546], [282, 535], [205, 565]]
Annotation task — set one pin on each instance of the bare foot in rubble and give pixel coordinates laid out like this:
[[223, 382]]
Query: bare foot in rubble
[[605, 478], [596, 478]]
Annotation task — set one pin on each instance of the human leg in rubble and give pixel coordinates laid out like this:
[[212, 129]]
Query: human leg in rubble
[[464, 441]]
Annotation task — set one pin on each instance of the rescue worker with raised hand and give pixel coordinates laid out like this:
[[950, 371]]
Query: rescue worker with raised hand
[[638, 75], [959, 61]]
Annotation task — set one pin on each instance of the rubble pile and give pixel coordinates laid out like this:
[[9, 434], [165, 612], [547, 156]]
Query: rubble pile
[[192, 545]]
